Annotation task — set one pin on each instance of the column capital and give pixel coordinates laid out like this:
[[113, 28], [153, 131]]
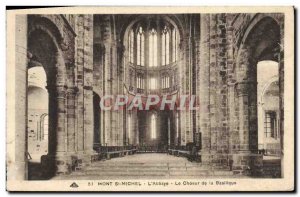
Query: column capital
[[72, 90], [58, 89], [244, 88]]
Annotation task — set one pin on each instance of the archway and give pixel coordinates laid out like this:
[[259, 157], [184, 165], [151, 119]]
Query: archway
[[37, 112], [268, 108], [260, 45], [44, 54]]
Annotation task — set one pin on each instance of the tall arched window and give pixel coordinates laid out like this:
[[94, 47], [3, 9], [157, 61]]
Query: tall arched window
[[174, 45], [153, 48], [153, 84], [130, 46], [140, 81], [140, 47], [44, 127], [129, 127], [153, 126], [165, 46]]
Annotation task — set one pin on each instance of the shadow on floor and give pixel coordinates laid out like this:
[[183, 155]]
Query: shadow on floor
[[35, 171]]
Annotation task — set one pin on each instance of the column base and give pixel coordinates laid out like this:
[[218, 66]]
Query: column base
[[85, 158], [246, 163], [56, 165], [215, 160]]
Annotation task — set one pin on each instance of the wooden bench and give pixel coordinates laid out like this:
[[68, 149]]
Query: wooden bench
[[120, 153], [173, 152], [104, 152], [184, 153]]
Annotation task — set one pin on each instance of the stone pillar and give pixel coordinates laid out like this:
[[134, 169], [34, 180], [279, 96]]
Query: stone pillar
[[79, 76], [88, 88], [241, 160], [84, 80], [71, 120], [243, 103], [56, 161], [17, 167], [231, 118], [246, 161], [213, 88], [204, 87]]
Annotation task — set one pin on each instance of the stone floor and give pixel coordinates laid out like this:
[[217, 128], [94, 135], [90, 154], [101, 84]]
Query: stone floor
[[151, 166], [149, 158], [146, 166]]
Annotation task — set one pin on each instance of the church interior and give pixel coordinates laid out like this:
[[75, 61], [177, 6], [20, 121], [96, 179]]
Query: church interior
[[233, 63]]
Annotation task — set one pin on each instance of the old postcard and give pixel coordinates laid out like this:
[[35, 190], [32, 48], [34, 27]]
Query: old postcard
[[150, 99]]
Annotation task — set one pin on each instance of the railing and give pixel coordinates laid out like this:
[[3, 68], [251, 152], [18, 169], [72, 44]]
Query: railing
[[191, 152], [152, 149], [108, 152]]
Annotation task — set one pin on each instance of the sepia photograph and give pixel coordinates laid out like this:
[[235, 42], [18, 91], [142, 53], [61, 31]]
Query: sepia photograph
[[150, 99]]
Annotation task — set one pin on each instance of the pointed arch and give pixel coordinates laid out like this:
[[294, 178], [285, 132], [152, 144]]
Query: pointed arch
[[140, 47], [153, 48]]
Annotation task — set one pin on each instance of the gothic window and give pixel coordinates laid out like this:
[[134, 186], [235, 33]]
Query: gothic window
[[165, 46], [153, 83], [270, 124], [140, 82], [130, 46], [165, 82], [44, 127], [174, 45], [140, 47], [153, 126], [152, 48], [177, 125], [129, 126]]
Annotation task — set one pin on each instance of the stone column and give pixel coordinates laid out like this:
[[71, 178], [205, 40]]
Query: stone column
[[88, 88], [213, 90], [56, 161], [243, 103], [204, 87], [231, 106], [246, 161], [71, 120], [18, 167]]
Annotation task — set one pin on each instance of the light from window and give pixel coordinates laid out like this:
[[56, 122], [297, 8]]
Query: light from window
[[140, 47], [129, 126], [140, 82], [153, 127], [165, 82], [44, 130], [153, 48], [165, 46], [168, 82], [174, 45], [152, 83], [131, 44], [270, 124]]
